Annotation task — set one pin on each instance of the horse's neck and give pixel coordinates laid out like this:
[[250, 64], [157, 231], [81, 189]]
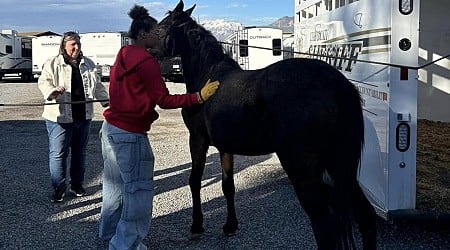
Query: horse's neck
[[197, 69], [191, 78], [201, 65]]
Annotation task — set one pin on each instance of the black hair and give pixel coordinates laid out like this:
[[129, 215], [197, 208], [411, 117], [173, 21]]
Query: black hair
[[141, 21]]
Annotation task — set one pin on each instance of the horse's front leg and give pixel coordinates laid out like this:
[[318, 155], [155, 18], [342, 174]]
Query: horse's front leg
[[198, 148], [228, 189]]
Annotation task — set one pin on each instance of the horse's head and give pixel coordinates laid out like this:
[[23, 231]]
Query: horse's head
[[182, 36], [174, 29]]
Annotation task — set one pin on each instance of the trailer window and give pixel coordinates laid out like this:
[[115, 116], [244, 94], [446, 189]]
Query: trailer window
[[339, 3], [243, 48], [276, 47], [329, 5], [8, 49]]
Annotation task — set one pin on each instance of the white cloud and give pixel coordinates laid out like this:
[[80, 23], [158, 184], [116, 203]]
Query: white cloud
[[236, 5]]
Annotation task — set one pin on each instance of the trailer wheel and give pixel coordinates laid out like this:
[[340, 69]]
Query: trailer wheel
[[26, 77]]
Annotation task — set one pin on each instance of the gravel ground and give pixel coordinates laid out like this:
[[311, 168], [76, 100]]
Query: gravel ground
[[269, 213]]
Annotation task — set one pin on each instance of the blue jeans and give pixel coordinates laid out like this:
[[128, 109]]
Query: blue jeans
[[127, 188], [62, 139]]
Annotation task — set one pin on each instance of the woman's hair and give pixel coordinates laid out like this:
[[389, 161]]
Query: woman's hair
[[68, 36], [141, 21]]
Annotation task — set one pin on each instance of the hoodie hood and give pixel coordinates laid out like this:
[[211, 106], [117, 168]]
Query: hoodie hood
[[128, 58]]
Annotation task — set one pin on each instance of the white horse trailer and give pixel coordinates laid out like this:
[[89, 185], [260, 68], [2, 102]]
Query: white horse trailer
[[15, 54], [102, 48], [44, 47], [255, 47], [351, 35]]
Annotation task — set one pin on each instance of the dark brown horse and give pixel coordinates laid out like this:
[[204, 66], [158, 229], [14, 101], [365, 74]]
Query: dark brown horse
[[303, 110]]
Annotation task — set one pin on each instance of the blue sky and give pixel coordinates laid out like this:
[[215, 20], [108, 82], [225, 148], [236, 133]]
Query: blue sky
[[111, 15]]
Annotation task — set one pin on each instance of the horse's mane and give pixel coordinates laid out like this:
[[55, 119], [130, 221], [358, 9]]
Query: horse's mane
[[202, 54], [209, 49]]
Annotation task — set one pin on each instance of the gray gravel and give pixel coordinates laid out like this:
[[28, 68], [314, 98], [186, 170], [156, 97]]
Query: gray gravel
[[269, 213]]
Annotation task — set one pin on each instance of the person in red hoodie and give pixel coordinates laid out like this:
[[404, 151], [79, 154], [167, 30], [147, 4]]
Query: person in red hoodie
[[136, 87]]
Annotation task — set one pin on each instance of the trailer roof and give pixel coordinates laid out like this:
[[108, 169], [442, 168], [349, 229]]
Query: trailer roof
[[39, 33]]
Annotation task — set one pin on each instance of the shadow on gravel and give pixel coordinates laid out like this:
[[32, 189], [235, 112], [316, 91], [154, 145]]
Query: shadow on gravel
[[269, 217], [28, 219], [212, 172], [268, 211]]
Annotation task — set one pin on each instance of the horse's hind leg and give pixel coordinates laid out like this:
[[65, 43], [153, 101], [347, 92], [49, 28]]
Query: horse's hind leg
[[228, 189], [306, 177]]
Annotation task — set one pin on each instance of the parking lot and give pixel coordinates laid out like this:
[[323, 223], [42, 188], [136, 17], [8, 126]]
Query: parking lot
[[269, 213]]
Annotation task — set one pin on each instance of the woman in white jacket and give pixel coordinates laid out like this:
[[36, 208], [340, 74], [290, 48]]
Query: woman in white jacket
[[70, 79]]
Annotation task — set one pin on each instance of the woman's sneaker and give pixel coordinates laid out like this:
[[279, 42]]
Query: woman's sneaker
[[77, 190], [58, 195]]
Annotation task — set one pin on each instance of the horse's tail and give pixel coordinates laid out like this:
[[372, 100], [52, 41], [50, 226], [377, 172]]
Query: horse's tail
[[348, 197]]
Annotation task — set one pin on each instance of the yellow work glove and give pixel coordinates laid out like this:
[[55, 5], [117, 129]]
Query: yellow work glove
[[207, 91]]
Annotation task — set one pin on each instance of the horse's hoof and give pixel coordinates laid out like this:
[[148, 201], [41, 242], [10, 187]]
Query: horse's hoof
[[197, 230], [195, 236], [230, 234], [229, 230]]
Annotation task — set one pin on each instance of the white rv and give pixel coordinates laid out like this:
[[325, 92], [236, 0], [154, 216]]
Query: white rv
[[44, 47], [255, 47], [102, 48], [15, 54], [353, 34]]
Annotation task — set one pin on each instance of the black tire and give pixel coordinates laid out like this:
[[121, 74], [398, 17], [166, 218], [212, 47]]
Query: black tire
[[26, 77]]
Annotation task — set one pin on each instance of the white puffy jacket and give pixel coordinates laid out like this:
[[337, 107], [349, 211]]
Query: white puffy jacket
[[56, 72]]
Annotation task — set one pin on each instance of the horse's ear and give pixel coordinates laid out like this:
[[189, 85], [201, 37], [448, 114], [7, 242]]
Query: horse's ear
[[180, 6], [189, 11]]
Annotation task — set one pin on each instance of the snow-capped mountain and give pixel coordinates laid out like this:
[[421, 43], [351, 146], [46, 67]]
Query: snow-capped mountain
[[286, 21], [221, 29]]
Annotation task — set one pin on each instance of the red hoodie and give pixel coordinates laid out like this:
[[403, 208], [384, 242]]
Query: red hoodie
[[136, 87]]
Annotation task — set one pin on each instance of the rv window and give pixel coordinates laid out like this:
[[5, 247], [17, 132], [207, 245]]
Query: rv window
[[339, 3], [276, 47], [243, 48], [8, 49], [328, 5]]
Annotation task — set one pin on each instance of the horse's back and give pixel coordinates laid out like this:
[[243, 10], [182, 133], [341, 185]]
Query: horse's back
[[256, 112]]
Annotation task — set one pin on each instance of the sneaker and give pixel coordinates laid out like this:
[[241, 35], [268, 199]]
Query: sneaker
[[58, 195], [77, 190]]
